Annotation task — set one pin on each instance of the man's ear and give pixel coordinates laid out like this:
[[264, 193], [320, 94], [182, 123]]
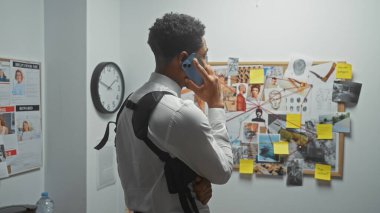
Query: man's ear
[[182, 56]]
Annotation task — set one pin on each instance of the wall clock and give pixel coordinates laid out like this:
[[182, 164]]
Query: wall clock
[[107, 87]]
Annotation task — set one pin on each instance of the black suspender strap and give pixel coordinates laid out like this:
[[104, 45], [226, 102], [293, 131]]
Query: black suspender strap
[[104, 140], [178, 174], [140, 119]]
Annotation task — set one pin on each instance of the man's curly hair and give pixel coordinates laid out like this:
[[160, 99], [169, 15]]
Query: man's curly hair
[[174, 33]]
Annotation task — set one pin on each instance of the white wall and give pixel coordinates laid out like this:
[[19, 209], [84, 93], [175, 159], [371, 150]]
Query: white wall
[[103, 44], [80, 34], [272, 30], [66, 105], [22, 37]]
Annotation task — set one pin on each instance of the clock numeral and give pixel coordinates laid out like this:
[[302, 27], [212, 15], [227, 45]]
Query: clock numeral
[[117, 97], [108, 107], [118, 88], [113, 104]]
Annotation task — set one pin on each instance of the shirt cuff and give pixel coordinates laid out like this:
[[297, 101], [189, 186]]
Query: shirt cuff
[[216, 115]]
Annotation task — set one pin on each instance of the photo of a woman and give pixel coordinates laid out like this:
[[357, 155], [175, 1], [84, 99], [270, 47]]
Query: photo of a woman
[[18, 85], [26, 131], [3, 128]]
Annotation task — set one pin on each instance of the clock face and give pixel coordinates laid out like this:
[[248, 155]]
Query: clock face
[[107, 87]]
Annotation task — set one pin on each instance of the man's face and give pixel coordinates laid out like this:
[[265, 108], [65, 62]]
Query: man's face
[[255, 92], [242, 88], [258, 114], [202, 52], [274, 81], [275, 99]]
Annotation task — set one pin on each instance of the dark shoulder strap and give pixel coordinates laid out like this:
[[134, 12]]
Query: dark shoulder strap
[[104, 140], [140, 120], [178, 174]]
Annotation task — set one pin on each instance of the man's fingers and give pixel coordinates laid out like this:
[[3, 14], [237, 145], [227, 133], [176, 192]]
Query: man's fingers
[[191, 85], [205, 196], [200, 70]]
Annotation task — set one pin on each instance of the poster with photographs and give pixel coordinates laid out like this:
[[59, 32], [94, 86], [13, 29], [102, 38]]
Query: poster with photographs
[[20, 116], [256, 114]]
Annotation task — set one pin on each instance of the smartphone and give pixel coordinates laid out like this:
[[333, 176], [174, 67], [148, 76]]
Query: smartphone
[[190, 70]]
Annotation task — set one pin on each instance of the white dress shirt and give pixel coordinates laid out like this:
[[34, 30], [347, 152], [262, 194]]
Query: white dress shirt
[[180, 128]]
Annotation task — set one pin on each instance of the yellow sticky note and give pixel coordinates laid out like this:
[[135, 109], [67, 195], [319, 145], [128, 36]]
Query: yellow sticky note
[[324, 131], [256, 76], [343, 71], [293, 121], [281, 148], [322, 172], [246, 166]]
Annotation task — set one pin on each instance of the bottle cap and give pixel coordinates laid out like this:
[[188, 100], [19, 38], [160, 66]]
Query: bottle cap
[[44, 194]]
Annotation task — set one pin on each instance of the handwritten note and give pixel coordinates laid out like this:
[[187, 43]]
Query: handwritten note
[[324, 131], [293, 121], [256, 76], [281, 148], [246, 166], [343, 71], [322, 172]]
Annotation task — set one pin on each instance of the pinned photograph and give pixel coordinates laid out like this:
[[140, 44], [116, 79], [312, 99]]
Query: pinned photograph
[[249, 150], [276, 123], [273, 71], [236, 152], [340, 120], [272, 169], [241, 104], [298, 69], [346, 92], [250, 131], [275, 101], [258, 115], [295, 172], [243, 74], [296, 103], [272, 82], [265, 148], [6, 121], [4, 75], [232, 65], [255, 93]]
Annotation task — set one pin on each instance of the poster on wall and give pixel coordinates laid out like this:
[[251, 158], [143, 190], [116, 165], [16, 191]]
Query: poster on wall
[[20, 116]]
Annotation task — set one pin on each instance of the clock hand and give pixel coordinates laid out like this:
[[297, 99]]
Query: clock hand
[[112, 84], [104, 84]]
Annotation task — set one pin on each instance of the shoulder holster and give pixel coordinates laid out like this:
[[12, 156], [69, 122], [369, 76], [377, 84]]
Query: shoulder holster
[[178, 174]]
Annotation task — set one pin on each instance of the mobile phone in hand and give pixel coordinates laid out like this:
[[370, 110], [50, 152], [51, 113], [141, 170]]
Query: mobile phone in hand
[[190, 70]]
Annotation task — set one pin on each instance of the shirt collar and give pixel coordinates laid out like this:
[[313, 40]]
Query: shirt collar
[[166, 82]]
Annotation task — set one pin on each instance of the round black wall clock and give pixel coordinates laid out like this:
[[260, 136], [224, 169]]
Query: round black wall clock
[[107, 87]]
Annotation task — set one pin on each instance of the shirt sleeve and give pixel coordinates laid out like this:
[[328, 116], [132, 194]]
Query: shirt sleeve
[[201, 142]]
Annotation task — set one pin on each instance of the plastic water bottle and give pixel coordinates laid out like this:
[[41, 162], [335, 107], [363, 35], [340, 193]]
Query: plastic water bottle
[[45, 204]]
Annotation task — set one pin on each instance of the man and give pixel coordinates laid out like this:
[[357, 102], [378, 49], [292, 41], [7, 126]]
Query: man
[[275, 99], [240, 99], [259, 113], [176, 126], [255, 91]]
